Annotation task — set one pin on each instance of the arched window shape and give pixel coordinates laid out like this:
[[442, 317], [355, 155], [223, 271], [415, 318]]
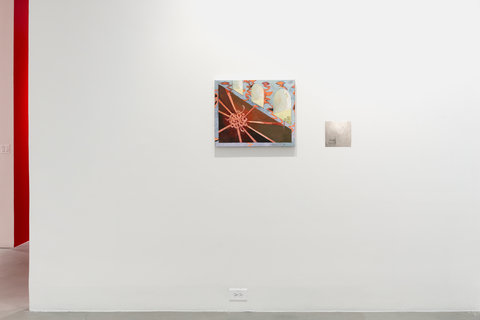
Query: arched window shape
[[258, 95], [282, 105], [238, 86]]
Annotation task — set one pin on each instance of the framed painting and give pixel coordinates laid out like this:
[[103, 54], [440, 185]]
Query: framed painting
[[254, 113]]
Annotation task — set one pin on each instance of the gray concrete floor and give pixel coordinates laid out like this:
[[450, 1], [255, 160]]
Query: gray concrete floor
[[242, 316], [14, 304], [13, 280]]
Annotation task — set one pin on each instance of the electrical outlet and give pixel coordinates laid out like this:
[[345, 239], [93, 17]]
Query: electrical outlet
[[238, 294], [4, 148]]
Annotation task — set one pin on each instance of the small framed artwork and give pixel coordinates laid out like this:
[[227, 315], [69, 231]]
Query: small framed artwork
[[254, 113], [338, 134]]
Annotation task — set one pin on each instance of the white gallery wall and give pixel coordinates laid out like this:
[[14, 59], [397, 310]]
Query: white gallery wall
[[133, 208], [6, 123]]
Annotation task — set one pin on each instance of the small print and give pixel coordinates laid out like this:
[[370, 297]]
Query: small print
[[338, 134]]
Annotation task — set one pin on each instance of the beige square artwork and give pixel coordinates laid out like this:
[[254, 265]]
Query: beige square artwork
[[338, 134]]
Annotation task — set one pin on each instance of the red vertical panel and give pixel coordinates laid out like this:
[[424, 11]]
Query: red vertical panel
[[20, 122]]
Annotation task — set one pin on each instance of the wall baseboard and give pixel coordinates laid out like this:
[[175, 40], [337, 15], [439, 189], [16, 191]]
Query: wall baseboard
[[24, 315]]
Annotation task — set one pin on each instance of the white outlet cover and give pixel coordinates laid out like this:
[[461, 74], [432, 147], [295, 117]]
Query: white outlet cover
[[238, 294], [4, 148]]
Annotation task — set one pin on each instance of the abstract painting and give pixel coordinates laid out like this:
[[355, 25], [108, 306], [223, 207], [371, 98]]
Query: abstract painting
[[253, 113]]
